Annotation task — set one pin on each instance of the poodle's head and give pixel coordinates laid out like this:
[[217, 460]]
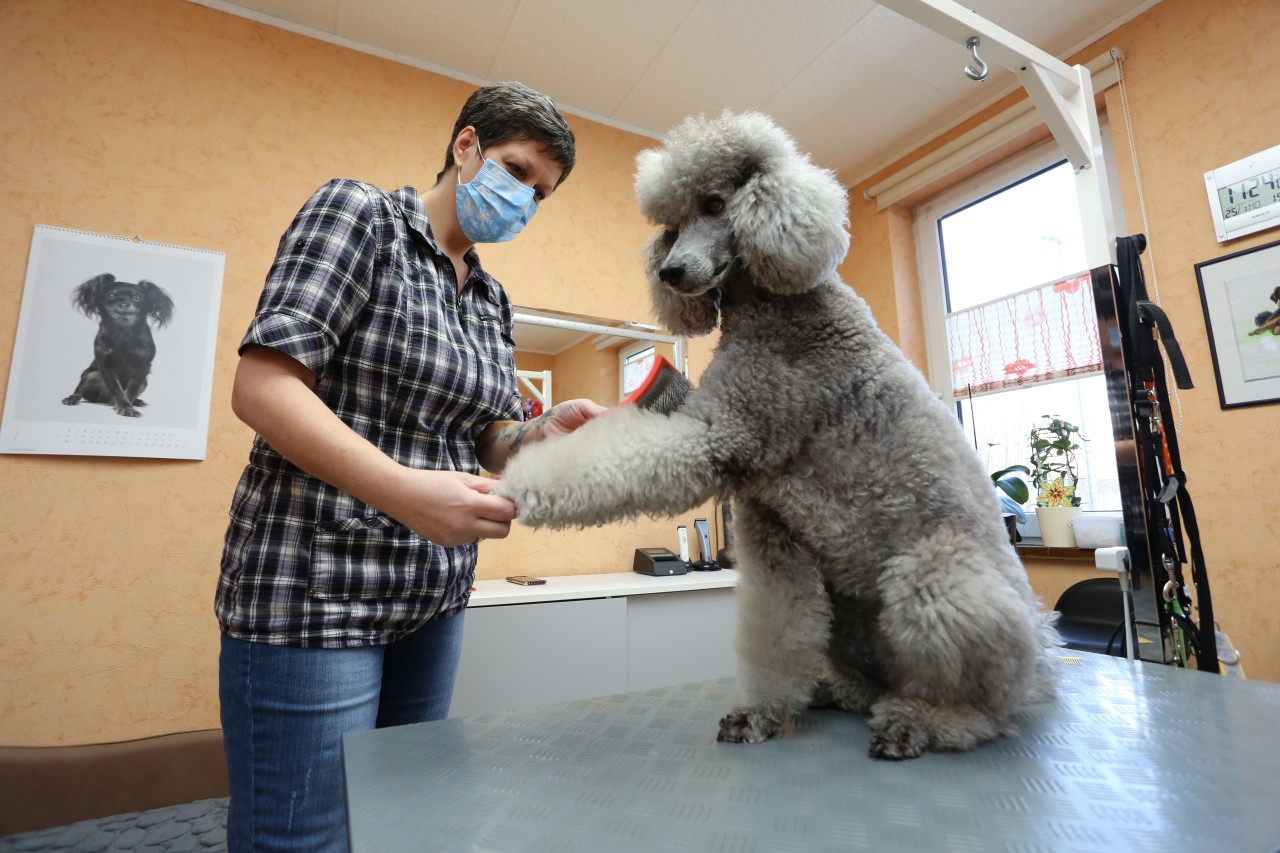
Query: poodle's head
[[735, 199]]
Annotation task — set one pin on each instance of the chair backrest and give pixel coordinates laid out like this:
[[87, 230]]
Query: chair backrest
[[43, 786], [1094, 601]]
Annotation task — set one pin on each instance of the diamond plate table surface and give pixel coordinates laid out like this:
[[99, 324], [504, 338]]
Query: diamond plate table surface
[[1131, 756]]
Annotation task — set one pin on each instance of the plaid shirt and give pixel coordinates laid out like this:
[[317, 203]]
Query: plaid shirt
[[362, 296]]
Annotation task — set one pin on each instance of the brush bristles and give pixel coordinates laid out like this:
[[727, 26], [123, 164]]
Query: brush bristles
[[667, 394]]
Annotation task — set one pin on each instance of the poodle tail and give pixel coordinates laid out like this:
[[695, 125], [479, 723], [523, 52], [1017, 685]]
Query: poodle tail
[[1044, 684]]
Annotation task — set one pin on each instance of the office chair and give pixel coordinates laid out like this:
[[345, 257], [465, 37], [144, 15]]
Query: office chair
[[1093, 616]]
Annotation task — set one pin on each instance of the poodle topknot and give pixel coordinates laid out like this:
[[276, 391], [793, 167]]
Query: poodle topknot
[[876, 575]]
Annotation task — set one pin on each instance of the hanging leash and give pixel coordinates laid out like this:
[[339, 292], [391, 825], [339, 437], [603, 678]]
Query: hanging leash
[[1170, 515]]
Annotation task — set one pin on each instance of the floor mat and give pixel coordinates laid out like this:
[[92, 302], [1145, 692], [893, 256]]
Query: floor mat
[[199, 827]]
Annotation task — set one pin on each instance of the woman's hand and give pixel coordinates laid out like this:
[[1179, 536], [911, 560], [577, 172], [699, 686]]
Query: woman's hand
[[503, 439], [449, 507], [565, 417]]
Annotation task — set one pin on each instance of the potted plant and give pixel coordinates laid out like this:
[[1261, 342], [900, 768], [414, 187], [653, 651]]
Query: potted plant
[[1054, 475], [1014, 494]]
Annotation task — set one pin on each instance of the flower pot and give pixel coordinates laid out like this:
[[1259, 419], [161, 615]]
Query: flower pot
[[1055, 525]]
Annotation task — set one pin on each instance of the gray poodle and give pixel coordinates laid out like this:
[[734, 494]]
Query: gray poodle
[[876, 574]]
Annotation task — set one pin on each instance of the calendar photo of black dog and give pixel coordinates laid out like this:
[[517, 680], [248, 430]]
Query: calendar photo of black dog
[[123, 348], [115, 348], [1269, 321]]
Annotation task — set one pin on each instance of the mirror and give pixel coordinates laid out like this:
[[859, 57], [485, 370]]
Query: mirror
[[562, 356]]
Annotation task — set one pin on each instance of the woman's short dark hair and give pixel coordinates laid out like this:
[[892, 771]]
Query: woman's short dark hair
[[511, 111]]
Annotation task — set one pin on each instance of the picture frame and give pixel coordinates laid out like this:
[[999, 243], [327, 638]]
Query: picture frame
[[1240, 294], [76, 305]]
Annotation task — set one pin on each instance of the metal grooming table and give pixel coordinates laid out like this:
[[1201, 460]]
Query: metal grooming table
[[1131, 757]]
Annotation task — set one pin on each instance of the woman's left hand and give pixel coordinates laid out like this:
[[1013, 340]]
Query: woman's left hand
[[564, 418], [503, 439]]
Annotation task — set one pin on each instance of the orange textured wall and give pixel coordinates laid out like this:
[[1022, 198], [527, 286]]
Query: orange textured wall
[[185, 125], [1201, 80]]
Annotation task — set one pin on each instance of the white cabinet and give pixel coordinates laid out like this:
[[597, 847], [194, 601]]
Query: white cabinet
[[678, 637], [594, 635]]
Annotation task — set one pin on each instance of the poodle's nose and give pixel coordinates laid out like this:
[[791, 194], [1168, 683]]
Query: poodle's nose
[[671, 274]]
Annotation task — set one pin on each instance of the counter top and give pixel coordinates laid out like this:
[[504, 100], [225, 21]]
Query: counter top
[[607, 585]]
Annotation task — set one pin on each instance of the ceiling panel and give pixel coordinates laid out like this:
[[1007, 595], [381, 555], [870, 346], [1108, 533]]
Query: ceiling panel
[[853, 81]]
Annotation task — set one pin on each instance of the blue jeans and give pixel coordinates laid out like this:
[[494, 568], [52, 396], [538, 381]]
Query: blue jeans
[[285, 710]]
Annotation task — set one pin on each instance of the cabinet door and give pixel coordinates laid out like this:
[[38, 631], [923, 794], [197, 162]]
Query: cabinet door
[[526, 655], [679, 637]]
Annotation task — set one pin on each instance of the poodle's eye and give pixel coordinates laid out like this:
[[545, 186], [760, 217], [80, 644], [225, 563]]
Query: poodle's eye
[[713, 205]]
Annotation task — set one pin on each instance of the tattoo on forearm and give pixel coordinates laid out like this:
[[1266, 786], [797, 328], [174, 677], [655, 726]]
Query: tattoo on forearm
[[514, 434]]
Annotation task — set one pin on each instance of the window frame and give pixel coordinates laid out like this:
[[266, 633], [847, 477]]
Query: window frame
[[1014, 170], [1008, 173], [625, 352]]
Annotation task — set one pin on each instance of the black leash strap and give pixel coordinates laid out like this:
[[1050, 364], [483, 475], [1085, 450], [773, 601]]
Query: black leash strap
[[1153, 313], [1170, 513]]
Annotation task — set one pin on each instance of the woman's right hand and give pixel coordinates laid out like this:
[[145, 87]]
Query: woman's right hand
[[450, 507]]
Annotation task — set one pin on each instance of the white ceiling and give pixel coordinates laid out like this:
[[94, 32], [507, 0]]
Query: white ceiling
[[856, 84]]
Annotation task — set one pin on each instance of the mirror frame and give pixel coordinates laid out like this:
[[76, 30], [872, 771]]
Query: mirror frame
[[625, 329]]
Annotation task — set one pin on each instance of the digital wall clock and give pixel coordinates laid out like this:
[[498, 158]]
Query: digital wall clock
[[1244, 196]]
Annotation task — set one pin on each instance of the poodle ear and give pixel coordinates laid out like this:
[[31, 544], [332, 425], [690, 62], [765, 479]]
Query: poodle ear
[[683, 315], [87, 298], [159, 305], [791, 221]]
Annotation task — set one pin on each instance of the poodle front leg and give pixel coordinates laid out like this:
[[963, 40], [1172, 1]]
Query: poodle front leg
[[784, 619], [623, 464]]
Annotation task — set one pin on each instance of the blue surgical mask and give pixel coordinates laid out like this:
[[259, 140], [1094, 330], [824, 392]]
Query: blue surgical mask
[[493, 207]]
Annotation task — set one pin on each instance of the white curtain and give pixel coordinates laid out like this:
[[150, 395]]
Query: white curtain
[[1039, 335]]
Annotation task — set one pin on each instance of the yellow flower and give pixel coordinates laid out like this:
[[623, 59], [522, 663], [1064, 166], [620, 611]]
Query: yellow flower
[[1056, 494]]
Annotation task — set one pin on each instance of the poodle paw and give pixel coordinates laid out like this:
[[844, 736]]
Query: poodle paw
[[897, 740], [532, 511], [746, 725]]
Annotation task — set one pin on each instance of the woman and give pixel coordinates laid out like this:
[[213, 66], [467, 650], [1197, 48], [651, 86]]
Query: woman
[[377, 372]]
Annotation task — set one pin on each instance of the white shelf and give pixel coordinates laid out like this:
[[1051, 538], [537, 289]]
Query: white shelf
[[608, 585]]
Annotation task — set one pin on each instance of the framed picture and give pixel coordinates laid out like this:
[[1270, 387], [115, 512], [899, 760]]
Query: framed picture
[[115, 347], [1241, 298]]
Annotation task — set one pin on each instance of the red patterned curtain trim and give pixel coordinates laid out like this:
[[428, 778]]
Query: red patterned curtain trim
[[1038, 335]]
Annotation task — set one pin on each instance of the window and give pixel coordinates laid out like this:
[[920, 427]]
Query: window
[[634, 363], [998, 257]]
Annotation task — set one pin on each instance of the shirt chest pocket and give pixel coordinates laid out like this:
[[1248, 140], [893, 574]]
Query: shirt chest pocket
[[497, 365], [366, 559], [492, 339]]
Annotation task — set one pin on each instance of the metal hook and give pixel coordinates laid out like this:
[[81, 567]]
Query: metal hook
[[980, 73]]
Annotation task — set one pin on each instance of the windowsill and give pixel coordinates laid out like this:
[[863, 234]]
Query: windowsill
[[1032, 549]]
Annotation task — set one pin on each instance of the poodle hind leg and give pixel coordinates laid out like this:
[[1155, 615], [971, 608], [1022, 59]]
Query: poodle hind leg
[[783, 626], [963, 639], [904, 728]]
